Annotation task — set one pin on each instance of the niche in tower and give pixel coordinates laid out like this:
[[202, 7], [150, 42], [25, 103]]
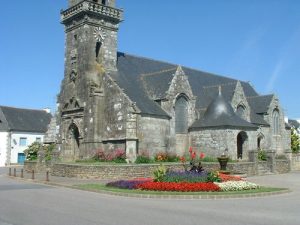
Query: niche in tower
[[97, 49]]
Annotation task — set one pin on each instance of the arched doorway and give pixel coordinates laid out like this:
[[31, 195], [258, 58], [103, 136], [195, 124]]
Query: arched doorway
[[241, 139], [74, 136], [260, 138]]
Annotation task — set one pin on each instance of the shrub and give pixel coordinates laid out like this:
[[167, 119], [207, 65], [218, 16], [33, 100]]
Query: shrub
[[117, 156], [213, 176], [166, 157], [262, 155], [31, 152], [143, 157], [48, 151], [159, 173]]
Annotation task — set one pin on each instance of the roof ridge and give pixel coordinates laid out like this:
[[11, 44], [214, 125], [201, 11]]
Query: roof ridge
[[13, 107], [224, 84], [258, 96], [158, 72]]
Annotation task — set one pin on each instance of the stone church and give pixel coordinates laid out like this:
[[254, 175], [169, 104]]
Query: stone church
[[110, 99]]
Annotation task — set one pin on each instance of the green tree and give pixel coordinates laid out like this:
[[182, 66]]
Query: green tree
[[295, 141]]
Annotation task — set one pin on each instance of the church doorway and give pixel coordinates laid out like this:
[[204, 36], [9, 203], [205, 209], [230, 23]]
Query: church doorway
[[259, 141], [241, 139], [74, 139]]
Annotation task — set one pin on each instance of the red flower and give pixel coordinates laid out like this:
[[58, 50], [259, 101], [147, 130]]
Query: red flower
[[225, 177], [182, 159], [193, 155], [202, 155], [183, 186], [190, 150]]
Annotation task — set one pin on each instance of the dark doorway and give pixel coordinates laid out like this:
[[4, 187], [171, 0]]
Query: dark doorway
[[74, 133], [241, 138]]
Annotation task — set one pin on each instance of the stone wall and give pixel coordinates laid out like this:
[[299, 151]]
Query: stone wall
[[128, 171], [282, 166], [295, 162], [213, 142], [153, 134]]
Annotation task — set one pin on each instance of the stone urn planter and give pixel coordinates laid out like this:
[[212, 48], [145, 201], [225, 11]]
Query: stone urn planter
[[223, 162]]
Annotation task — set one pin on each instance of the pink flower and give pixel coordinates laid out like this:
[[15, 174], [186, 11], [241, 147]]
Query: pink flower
[[202, 155], [190, 150], [193, 155]]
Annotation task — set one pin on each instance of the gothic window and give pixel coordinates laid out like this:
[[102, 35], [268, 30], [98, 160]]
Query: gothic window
[[181, 115], [240, 111], [275, 117]]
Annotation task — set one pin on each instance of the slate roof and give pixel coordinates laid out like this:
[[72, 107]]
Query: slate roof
[[23, 120], [220, 113], [260, 104], [294, 123], [145, 80]]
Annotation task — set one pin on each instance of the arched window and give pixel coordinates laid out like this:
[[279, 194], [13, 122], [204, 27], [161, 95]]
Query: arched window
[[240, 111], [181, 115], [275, 117]]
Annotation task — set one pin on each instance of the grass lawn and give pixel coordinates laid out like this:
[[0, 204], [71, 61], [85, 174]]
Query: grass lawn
[[102, 187]]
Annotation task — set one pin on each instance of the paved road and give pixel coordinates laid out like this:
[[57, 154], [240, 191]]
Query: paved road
[[23, 203]]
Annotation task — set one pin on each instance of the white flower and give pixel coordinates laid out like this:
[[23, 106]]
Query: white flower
[[237, 185]]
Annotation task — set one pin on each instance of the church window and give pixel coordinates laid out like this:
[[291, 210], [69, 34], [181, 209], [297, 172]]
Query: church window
[[98, 47], [181, 115], [240, 111], [103, 2], [275, 118]]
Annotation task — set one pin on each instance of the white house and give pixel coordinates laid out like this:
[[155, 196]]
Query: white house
[[18, 129]]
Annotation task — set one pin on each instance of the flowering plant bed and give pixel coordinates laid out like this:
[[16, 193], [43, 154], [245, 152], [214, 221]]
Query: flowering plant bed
[[185, 181], [181, 186]]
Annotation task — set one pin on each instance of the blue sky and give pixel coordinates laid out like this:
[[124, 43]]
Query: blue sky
[[250, 40]]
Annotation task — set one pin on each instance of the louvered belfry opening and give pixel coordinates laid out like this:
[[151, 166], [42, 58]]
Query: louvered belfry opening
[[181, 115]]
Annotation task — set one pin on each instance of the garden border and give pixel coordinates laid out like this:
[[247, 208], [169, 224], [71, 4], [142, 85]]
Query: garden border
[[185, 196]]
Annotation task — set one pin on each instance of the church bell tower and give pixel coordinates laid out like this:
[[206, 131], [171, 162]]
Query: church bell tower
[[91, 28]]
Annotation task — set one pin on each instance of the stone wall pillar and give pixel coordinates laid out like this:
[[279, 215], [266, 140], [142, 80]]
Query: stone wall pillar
[[289, 156], [253, 156], [271, 161]]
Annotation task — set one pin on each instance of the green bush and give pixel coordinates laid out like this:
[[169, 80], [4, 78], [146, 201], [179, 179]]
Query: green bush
[[213, 177], [143, 159], [166, 157], [262, 155], [209, 159], [48, 151], [31, 152], [159, 173]]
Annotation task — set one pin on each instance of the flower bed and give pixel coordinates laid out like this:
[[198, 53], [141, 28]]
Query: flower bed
[[237, 185], [180, 187], [128, 184], [225, 177]]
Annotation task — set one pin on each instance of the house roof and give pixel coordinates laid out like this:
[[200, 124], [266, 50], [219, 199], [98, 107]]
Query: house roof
[[220, 114], [145, 80], [294, 123], [24, 120]]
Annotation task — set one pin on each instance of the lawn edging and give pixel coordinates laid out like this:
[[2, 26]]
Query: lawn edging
[[184, 195]]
